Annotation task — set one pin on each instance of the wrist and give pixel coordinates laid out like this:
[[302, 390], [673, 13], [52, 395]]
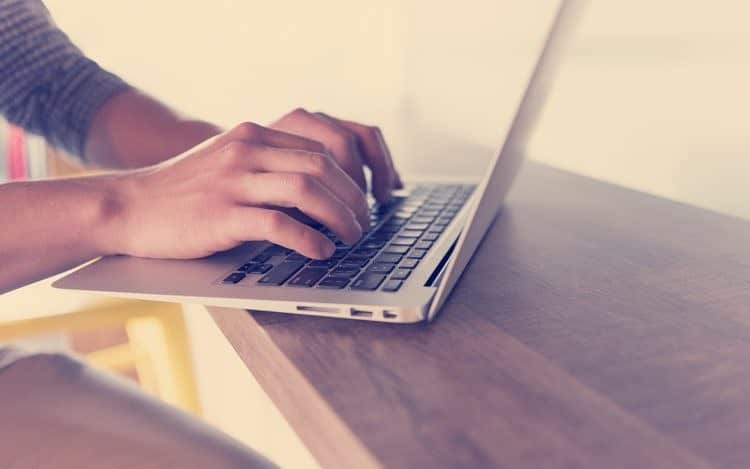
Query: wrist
[[116, 196]]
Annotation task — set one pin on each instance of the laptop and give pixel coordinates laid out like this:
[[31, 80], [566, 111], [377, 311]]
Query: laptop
[[401, 271]]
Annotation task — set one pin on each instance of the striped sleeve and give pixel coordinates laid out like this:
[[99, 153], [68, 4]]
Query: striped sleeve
[[47, 86]]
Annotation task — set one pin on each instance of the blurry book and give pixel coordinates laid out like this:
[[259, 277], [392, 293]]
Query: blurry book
[[36, 157], [16, 153], [25, 155], [3, 151]]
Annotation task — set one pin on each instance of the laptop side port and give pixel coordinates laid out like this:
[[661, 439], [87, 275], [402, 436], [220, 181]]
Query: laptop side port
[[360, 313], [319, 309], [388, 314]]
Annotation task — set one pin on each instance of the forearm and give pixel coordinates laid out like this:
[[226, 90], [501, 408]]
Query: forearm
[[51, 226], [134, 130]]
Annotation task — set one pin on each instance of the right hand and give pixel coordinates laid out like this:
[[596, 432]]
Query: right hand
[[233, 188]]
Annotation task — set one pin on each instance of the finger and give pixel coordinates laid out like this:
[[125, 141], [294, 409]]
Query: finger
[[340, 142], [376, 156], [319, 165], [256, 224], [255, 133], [305, 193]]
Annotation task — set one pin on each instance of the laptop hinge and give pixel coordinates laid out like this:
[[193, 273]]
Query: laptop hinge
[[437, 273]]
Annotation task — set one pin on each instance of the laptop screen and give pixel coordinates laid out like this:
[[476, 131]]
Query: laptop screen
[[466, 68], [514, 133]]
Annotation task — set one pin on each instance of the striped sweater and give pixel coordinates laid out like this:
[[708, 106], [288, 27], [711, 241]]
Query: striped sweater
[[47, 85]]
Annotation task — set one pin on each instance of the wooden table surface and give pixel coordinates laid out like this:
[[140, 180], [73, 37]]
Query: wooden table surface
[[595, 327]]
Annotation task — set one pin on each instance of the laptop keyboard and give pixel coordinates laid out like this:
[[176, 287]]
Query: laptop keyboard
[[400, 235]]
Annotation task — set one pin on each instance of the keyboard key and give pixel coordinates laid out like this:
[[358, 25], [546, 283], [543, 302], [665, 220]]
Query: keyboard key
[[276, 250], [344, 271], [247, 267], [423, 245], [406, 211], [357, 264], [328, 263], [409, 263], [356, 257], [297, 257], [372, 244], [431, 236], [334, 282], [396, 249], [381, 267], [392, 285], [417, 226], [417, 253], [411, 234], [403, 241], [365, 252], [234, 277], [386, 231], [281, 272], [368, 281], [381, 236], [261, 258], [389, 258], [422, 219], [428, 213], [308, 277], [400, 274], [260, 268]]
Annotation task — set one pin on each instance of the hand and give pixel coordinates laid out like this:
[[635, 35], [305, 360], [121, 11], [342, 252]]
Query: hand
[[352, 145], [233, 188]]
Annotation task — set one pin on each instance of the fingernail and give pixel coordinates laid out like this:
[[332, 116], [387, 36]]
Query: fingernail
[[329, 249]]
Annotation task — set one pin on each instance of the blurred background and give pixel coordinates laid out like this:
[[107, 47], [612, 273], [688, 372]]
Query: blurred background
[[651, 95]]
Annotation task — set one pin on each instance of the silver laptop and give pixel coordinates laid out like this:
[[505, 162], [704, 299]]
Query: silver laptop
[[401, 271]]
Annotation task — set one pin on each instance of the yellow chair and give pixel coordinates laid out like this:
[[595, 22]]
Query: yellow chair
[[157, 348]]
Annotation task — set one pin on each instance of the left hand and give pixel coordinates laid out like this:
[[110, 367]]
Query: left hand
[[351, 144]]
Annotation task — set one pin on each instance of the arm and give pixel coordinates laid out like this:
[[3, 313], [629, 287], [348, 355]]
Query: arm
[[213, 197], [52, 226], [133, 130]]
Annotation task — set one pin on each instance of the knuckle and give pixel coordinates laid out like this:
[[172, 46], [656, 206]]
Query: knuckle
[[301, 184], [248, 130], [238, 151], [299, 112], [343, 140], [320, 164]]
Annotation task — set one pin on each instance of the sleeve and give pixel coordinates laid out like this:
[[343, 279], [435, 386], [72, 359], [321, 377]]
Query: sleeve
[[47, 85]]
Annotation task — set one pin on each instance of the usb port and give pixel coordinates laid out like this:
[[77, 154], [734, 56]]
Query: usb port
[[387, 314], [360, 313]]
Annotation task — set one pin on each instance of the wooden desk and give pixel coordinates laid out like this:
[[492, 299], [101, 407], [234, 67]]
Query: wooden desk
[[595, 327]]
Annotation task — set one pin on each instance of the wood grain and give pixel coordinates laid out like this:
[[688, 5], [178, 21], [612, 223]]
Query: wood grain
[[595, 327]]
